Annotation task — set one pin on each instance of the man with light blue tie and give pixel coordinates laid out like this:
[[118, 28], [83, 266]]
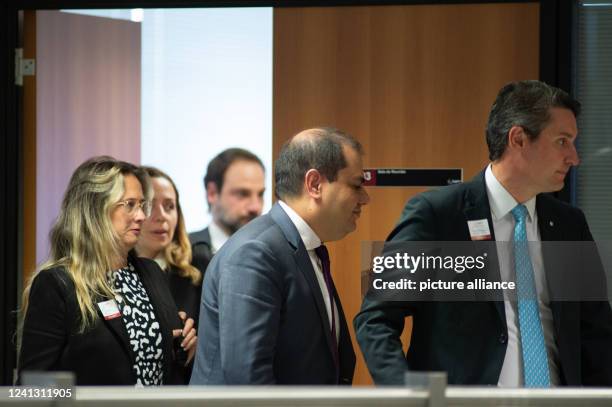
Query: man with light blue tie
[[535, 341]]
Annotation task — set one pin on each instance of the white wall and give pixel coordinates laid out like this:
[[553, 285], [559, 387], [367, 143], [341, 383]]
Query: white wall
[[206, 86]]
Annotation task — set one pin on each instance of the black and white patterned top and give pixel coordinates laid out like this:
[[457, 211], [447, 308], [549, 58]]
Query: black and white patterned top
[[141, 324]]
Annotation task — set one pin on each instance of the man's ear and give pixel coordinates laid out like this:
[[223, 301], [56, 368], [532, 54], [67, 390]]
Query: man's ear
[[212, 193], [517, 137], [313, 181]]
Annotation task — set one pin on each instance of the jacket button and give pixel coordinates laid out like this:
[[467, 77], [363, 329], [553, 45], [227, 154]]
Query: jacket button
[[503, 338]]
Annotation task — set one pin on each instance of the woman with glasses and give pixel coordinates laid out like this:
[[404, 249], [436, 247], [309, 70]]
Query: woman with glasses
[[94, 308], [164, 239]]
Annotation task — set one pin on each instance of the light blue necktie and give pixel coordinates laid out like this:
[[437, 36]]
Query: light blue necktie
[[535, 359]]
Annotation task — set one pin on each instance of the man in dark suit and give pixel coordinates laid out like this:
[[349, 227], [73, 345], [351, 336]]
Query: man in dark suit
[[540, 342], [234, 185], [270, 312]]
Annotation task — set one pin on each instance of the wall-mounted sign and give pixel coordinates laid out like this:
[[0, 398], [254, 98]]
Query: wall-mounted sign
[[412, 177]]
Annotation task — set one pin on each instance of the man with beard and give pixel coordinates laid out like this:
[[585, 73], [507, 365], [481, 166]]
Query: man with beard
[[234, 184]]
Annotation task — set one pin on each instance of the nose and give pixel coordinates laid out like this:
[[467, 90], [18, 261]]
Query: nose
[[158, 213], [140, 215], [365, 197], [573, 158], [255, 205]]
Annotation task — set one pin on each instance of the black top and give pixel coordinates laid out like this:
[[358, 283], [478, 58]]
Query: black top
[[186, 295]]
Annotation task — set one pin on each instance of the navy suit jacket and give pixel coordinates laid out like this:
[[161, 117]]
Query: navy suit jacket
[[262, 316], [468, 340]]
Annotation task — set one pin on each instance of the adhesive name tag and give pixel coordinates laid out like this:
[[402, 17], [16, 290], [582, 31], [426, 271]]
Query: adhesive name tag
[[109, 309], [479, 229]]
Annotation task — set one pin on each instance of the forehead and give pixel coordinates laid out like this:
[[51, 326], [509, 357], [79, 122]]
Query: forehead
[[244, 173], [562, 121], [132, 187], [163, 188], [354, 163]]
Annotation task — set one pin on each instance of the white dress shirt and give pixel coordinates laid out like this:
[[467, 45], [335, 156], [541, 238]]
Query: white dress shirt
[[312, 241], [502, 203], [218, 236]]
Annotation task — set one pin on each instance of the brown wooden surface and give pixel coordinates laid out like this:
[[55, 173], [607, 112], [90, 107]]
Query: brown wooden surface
[[29, 149], [413, 83]]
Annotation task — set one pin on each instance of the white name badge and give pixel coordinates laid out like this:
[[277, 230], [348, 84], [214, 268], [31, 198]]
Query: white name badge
[[479, 229], [109, 309]]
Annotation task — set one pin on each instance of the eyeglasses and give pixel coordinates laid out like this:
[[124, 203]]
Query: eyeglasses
[[131, 205]]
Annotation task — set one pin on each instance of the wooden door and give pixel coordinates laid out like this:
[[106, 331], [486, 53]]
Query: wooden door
[[413, 83]]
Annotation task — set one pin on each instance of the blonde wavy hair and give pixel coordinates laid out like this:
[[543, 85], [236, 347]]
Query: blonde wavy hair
[[83, 240], [178, 252]]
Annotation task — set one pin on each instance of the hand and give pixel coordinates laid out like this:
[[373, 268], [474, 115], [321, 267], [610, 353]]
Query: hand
[[190, 340]]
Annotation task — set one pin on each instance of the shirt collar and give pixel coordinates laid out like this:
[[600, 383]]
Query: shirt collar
[[161, 260], [218, 236], [309, 237], [500, 200]]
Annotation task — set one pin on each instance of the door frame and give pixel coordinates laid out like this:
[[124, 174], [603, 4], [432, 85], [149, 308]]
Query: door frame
[[556, 27]]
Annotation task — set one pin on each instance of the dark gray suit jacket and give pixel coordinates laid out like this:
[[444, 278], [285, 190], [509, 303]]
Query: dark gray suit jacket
[[262, 317], [468, 339]]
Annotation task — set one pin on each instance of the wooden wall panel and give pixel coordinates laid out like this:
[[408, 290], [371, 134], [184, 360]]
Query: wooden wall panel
[[413, 83]]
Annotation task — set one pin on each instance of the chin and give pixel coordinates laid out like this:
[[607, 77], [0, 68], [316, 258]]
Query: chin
[[350, 229], [555, 187], [129, 245]]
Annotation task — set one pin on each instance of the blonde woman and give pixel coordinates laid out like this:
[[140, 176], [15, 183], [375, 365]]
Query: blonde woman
[[94, 308], [165, 240]]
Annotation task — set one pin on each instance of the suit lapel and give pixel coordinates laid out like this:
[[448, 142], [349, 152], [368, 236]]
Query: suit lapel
[[346, 352], [548, 221], [476, 203], [117, 327], [476, 207], [549, 225], [304, 264]]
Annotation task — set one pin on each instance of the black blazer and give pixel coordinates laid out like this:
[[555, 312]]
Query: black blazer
[[186, 295], [201, 249], [468, 340], [102, 355]]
